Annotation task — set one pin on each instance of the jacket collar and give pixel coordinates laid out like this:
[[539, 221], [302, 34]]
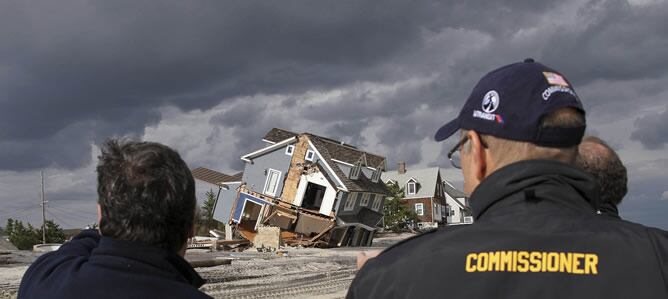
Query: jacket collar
[[609, 209], [577, 187], [155, 256]]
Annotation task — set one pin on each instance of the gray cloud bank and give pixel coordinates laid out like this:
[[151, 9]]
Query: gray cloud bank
[[381, 75], [652, 130]]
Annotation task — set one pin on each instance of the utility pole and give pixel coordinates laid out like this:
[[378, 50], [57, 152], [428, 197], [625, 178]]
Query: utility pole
[[43, 210]]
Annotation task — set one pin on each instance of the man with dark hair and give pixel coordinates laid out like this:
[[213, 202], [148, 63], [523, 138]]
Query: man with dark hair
[[146, 210], [536, 232], [597, 158]]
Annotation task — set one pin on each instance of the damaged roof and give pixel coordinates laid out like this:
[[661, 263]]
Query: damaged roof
[[330, 150], [362, 184], [215, 177], [276, 135], [337, 150]]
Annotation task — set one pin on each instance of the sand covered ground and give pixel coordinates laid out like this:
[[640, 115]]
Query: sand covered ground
[[290, 273]]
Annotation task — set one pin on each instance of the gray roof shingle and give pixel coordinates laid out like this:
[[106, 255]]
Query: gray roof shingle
[[276, 135], [452, 191], [215, 177], [337, 149], [426, 178], [362, 184]]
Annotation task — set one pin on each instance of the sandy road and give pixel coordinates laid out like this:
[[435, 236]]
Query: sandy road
[[300, 273], [327, 276]]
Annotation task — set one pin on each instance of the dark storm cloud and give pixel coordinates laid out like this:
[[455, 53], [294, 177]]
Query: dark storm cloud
[[612, 40], [109, 66], [63, 63], [652, 130]]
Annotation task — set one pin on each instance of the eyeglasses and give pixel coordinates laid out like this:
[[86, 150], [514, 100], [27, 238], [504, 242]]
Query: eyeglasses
[[455, 154]]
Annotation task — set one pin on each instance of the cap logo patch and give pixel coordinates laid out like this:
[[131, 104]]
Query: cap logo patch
[[490, 101], [555, 79]]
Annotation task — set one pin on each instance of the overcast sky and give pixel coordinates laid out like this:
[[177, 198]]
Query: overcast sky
[[209, 78]]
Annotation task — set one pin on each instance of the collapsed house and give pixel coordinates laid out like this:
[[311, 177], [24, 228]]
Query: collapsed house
[[319, 191]]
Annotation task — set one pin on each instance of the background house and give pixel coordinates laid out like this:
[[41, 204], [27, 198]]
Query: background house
[[458, 210], [423, 192]]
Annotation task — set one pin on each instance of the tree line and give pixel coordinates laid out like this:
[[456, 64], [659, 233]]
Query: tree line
[[24, 237]]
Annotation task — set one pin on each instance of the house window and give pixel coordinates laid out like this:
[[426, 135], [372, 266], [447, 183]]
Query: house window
[[365, 200], [339, 196], [309, 155], [375, 176], [271, 185], [289, 150], [355, 171], [411, 186], [419, 209], [350, 203], [376, 202]]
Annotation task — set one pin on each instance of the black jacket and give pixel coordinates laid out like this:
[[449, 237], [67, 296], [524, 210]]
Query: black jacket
[[536, 235], [94, 267], [609, 209]]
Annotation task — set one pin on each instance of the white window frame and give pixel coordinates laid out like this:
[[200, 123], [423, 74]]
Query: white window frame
[[419, 209], [309, 155], [266, 182], [376, 202], [375, 176], [355, 171], [408, 188], [350, 202], [365, 200], [289, 150]]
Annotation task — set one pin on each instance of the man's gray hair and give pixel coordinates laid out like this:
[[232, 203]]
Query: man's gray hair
[[599, 159]]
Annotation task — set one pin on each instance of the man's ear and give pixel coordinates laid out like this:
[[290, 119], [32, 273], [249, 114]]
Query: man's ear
[[193, 228], [99, 214], [478, 156], [192, 231], [99, 218]]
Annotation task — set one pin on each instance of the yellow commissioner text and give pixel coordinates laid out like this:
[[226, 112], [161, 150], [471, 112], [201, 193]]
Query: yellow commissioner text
[[533, 261]]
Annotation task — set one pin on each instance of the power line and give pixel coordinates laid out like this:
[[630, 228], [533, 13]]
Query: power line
[[17, 211], [60, 220], [73, 213], [74, 210], [70, 214], [21, 215]]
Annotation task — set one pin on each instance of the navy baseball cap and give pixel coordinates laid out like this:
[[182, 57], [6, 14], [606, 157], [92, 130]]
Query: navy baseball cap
[[510, 102]]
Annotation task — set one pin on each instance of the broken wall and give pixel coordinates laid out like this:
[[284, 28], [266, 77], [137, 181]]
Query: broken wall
[[267, 237]]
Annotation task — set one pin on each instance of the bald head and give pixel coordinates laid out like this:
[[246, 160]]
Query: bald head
[[599, 159]]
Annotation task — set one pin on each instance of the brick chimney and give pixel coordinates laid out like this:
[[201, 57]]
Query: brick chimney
[[402, 167]]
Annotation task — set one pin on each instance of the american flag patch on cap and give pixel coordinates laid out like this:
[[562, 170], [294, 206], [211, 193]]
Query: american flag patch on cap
[[555, 79]]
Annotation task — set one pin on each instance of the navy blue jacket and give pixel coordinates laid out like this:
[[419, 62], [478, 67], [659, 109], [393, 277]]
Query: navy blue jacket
[[536, 235], [91, 266]]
